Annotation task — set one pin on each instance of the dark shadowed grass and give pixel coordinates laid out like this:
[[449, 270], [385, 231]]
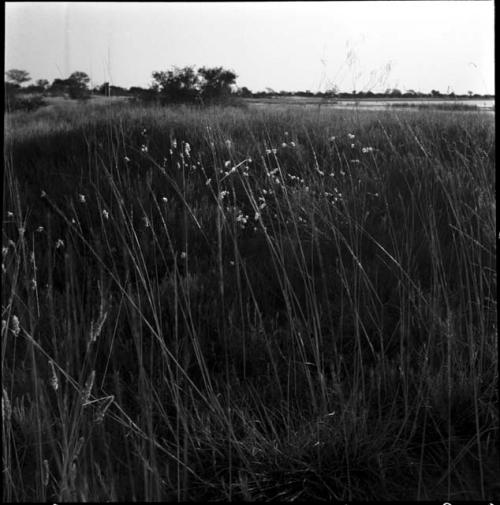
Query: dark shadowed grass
[[248, 304]]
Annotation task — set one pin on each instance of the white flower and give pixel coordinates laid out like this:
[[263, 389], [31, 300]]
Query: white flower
[[174, 144], [227, 163], [283, 144], [351, 136], [43, 194], [183, 255], [144, 148], [228, 144], [187, 149], [59, 243], [10, 214], [165, 199], [81, 198], [241, 218], [353, 146], [292, 143], [16, 329], [367, 150], [105, 213], [223, 194], [126, 158], [208, 182], [257, 216]]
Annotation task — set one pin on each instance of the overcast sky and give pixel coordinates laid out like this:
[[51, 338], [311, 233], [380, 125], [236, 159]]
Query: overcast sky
[[423, 45]]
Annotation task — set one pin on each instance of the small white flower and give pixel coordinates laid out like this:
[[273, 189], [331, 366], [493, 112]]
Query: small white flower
[[174, 144], [59, 243], [354, 161], [187, 149], [16, 329], [231, 263], [351, 136], [43, 194], [144, 148], [126, 158], [81, 198], [227, 164], [10, 214], [208, 181], [283, 144], [183, 255], [146, 221], [353, 146], [332, 139], [292, 143], [228, 144], [257, 216], [105, 213], [165, 199]]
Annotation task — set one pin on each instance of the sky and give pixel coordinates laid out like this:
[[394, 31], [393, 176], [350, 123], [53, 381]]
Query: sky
[[362, 46]]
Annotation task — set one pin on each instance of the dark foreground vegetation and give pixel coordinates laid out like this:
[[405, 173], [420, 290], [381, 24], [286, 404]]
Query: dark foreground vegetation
[[221, 303]]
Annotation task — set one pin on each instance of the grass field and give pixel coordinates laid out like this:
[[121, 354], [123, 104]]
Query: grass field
[[229, 303]]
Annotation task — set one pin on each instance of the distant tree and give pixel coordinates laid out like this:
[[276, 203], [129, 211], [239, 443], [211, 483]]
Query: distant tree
[[244, 92], [59, 87], [216, 83], [78, 85], [103, 89], [17, 76], [177, 85], [42, 84], [396, 92], [435, 93]]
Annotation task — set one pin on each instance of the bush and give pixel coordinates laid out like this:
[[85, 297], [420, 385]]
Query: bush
[[24, 103]]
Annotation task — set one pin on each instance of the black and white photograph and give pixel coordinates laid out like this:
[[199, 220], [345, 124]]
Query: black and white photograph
[[249, 252]]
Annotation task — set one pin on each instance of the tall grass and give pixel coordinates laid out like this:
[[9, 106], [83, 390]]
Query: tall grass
[[224, 303]]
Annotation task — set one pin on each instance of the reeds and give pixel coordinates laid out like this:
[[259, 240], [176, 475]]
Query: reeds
[[257, 305]]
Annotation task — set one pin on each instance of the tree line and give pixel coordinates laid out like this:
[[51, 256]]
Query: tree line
[[205, 85]]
